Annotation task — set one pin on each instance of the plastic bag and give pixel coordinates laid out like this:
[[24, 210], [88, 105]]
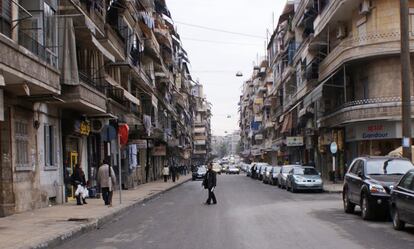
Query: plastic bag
[[79, 190], [85, 192]]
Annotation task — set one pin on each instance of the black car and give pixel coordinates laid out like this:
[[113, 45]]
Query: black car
[[402, 201], [200, 173], [368, 184]]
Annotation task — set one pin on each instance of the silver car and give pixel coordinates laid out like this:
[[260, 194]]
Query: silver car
[[304, 178], [284, 171]]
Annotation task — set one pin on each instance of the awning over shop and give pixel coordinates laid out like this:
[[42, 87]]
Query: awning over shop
[[287, 124]]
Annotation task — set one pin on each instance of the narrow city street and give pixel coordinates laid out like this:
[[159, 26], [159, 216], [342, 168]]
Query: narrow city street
[[249, 215]]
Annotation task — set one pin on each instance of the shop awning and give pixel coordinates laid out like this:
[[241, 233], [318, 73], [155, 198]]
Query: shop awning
[[287, 124]]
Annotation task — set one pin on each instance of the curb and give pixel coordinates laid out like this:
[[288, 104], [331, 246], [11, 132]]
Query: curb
[[98, 222]]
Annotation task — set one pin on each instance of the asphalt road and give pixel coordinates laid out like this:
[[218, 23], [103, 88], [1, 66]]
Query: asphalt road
[[248, 215]]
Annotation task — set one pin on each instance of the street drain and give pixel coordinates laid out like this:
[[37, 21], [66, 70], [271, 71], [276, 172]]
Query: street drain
[[78, 219]]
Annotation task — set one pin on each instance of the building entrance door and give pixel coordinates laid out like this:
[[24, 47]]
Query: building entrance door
[[6, 172]]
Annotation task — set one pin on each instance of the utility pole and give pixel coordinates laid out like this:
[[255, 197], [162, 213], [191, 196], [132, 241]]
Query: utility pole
[[405, 80]]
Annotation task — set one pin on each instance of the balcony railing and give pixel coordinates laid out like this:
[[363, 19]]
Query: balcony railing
[[116, 94], [38, 49], [85, 77]]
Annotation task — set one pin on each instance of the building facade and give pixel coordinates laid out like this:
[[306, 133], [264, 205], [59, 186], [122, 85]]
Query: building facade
[[81, 81], [336, 78]]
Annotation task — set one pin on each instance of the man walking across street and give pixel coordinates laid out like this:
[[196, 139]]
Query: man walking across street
[[107, 180], [210, 181]]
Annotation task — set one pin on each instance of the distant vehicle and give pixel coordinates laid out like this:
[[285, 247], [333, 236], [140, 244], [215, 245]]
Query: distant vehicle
[[224, 168], [248, 169], [217, 168], [233, 170], [267, 175], [402, 202], [368, 184], [275, 175], [200, 173], [304, 178], [284, 171]]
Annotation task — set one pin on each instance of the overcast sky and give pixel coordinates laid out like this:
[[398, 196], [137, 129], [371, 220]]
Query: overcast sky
[[216, 57]]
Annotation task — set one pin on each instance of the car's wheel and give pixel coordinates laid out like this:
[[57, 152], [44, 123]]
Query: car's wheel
[[367, 211], [349, 207], [293, 189], [396, 222]]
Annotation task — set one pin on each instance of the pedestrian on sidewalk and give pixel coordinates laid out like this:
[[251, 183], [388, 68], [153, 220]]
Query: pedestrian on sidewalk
[[173, 172], [106, 180], [166, 172], [210, 182], [79, 182]]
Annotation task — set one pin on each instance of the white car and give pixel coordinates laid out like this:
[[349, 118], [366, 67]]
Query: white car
[[233, 170]]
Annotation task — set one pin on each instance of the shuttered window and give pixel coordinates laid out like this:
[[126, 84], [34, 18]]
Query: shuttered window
[[22, 145], [50, 142]]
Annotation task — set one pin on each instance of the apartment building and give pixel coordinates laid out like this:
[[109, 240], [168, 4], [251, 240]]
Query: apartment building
[[84, 80], [336, 70], [202, 127]]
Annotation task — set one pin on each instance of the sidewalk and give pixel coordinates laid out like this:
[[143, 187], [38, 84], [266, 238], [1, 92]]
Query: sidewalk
[[46, 227], [333, 187]]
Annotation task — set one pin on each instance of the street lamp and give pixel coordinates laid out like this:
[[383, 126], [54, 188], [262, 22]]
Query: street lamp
[[239, 74]]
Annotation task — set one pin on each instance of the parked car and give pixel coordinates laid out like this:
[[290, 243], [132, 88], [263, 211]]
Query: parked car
[[262, 168], [275, 175], [284, 171], [217, 168], [368, 184], [304, 178], [267, 175], [402, 202], [233, 170], [224, 168], [200, 173]]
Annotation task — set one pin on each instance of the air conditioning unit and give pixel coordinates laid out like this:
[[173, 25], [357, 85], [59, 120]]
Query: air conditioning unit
[[341, 32], [97, 125], [365, 7]]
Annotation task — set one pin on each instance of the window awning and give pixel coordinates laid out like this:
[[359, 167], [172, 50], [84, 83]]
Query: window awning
[[287, 124], [103, 50]]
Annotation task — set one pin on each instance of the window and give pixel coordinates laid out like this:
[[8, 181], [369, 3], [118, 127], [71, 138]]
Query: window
[[408, 181], [50, 145], [22, 145], [5, 17], [50, 34]]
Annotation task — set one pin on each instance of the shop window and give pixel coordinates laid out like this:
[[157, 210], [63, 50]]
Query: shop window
[[50, 145], [22, 145]]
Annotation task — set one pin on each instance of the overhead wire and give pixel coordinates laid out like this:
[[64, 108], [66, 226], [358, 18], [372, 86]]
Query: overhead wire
[[220, 30]]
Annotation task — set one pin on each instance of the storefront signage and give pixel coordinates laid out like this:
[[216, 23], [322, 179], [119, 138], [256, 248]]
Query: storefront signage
[[371, 131], [82, 127], [141, 143], [294, 141], [159, 150]]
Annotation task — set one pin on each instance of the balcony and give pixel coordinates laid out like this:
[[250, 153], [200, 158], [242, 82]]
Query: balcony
[[113, 43], [360, 47], [84, 98], [381, 108], [30, 64], [336, 10]]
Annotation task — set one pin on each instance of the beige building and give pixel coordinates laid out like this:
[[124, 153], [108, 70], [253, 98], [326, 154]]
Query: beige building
[[336, 71]]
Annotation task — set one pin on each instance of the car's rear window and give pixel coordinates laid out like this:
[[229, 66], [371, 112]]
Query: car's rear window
[[388, 167]]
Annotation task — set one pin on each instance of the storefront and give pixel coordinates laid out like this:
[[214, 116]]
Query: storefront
[[376, 138]]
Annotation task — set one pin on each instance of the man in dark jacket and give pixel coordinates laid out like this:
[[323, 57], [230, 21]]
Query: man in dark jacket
[[209, 183]]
